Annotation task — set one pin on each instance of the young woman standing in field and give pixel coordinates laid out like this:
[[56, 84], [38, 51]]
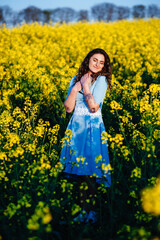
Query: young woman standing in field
[[85, 156]]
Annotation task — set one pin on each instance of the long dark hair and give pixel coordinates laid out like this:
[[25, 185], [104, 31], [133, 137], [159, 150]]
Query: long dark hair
[[106, 70]]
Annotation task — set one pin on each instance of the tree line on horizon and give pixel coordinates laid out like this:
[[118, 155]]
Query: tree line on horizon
[[100, 12]]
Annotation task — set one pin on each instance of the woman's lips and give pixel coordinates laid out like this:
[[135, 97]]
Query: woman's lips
[[95, 67]]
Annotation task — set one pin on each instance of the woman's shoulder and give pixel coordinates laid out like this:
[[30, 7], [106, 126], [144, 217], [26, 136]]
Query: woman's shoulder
[[72, 80], [101, 80]]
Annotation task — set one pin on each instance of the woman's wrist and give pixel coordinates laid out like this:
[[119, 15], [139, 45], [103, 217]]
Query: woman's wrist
[[86, 88]]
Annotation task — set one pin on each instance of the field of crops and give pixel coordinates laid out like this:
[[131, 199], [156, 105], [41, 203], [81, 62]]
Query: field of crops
[[36, 65]]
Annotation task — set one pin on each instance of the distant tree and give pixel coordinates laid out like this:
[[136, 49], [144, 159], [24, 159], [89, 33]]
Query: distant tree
[[123, 12], [138, 11], [63, 15], [30, 14], [153, 11], [47, 15], [83, 15], [1, 16], [8, 16], [103, 11]]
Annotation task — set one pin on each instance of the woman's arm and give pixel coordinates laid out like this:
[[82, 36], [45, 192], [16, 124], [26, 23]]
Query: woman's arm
[[70, 102], [93, 106], [85, 81]]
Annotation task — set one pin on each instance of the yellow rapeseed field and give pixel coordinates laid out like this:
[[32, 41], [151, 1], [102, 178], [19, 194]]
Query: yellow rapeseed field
[[36, 65]]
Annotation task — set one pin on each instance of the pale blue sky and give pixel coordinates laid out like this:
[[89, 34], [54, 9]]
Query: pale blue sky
[[77, 5]]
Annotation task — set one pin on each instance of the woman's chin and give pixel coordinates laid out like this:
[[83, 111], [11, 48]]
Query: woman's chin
[[94, 71]]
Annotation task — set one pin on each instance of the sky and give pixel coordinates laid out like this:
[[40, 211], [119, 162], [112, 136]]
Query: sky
[[76, 5]]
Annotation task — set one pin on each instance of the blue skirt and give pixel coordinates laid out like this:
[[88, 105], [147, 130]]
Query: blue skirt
[[82, 150]]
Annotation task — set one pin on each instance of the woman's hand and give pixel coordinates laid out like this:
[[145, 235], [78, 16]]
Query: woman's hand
[[86, 80]]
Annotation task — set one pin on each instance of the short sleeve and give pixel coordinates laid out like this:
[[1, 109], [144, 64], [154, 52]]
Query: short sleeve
[[71, 84], [100, 90]]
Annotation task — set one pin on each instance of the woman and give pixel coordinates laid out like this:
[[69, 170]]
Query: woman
[[84, 155]]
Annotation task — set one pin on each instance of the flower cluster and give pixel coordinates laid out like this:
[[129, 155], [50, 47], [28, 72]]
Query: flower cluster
[[151, 199]]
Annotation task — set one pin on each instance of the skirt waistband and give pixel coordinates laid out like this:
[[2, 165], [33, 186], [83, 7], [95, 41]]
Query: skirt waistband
[[82, 111]]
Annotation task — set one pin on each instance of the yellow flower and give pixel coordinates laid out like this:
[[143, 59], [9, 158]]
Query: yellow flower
[[151, 199], [106, 168], [136, 173], [47, 217], [115, 106]]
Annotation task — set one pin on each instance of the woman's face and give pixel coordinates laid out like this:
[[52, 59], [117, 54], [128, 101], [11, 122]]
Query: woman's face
[[96, 62]]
